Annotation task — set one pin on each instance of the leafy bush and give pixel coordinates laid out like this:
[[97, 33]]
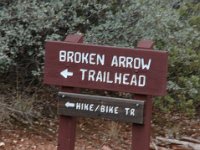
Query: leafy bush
[[184, 83], [184, 67], [25, 25], [141, 19], [172, 32]]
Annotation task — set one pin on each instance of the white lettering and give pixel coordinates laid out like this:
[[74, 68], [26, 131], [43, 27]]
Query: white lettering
[[127, 111], [122, 61], [92, 58], [84, 58], [99, 76], [100, 59], [137, 63], [142, 81], [118, 78], [129, 61], [125, 79], [91, 76], [114, 62], [116, 110], [109, 109], [146, 66], [133, 80], [132, 112], [102, 108], [104, 76], [85, 106], [77, 57], [81, 57], [91, 108], [62, 56], [70, 56], [108, 78], [83, 71], [78, 106]]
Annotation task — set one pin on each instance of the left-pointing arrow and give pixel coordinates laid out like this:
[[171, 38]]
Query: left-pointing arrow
[[68, 104], [66, 73]]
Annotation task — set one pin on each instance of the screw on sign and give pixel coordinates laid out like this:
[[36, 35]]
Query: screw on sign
[[73, 65]]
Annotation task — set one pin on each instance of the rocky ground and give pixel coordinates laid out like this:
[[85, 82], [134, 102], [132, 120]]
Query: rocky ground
[[169, 131], [100, 134]]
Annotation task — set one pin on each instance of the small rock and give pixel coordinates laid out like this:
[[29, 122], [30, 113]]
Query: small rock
[[22, 140], [2, 144], [34, 147], [106, 148], [14, 141]]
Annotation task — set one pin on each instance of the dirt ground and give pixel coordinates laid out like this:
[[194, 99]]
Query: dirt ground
[[91, 134]]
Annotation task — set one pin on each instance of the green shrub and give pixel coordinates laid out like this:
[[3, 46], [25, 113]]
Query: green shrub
[[184, 82], [164, 25], [25, 25]]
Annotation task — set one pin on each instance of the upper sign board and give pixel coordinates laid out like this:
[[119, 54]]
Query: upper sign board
[[137, 71]]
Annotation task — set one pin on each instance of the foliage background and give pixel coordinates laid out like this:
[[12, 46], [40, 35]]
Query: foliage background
[[173, 25]]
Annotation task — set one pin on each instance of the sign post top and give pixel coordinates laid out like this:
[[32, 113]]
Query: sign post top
[[148, 44]]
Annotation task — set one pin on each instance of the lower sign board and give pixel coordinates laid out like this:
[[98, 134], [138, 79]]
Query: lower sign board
[[83, 105]]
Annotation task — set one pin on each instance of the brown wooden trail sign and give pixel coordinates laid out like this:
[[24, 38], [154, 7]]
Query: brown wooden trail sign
[[72, 65], [106, 68]]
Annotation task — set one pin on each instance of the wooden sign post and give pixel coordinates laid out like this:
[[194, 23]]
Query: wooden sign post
[[67, 125], [73, 65], [143, 133]]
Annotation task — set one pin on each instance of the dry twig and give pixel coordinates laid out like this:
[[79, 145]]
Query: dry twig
[[184, 144]]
